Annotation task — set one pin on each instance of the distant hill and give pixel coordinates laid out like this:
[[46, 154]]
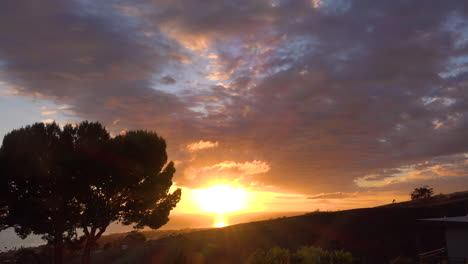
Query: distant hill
[[373, 235], [434, 201]]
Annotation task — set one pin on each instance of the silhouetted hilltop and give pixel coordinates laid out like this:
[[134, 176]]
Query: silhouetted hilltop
[[373, 235], [452, 199]]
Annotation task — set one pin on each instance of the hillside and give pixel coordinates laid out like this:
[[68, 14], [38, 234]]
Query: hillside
[[373, 235]]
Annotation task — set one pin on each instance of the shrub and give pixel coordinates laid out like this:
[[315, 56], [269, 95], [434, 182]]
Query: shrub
[[29, 256], [310, 255], [304, 255], [274, 255], [340, 256], [257, 257], [107, 246], [135, 236], [402, 260]]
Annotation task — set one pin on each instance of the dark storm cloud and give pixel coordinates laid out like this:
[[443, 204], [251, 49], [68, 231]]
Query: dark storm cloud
[[325, 92]]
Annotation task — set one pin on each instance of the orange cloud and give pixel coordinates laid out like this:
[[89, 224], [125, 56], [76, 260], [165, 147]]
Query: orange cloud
[[226, 172], [253, 167], [334, 195], [201, 145], [47, 120], [51, 112]]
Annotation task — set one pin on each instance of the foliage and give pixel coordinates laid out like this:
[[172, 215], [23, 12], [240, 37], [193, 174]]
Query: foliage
[[310, 255], [274, 255], [304, 255], [107, 246], [29, 256], [128, 181], [53, 181], [36, 188], [402, 260], [423, 192], [134, 237], [340, 256], [316, 255]]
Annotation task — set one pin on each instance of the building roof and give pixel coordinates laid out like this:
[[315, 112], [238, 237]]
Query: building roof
[[448, 221]]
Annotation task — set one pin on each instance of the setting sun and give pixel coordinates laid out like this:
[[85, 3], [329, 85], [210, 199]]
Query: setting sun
[[221, 199]]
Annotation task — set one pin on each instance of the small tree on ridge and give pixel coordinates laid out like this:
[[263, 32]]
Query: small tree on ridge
[[423, 192]]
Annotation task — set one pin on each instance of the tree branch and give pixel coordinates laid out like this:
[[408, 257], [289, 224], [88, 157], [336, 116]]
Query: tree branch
[[101, 231], [85, 230]]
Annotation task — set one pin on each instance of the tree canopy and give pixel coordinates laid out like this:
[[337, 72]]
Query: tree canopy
[[37, 190], [423, 192], [54, 181]]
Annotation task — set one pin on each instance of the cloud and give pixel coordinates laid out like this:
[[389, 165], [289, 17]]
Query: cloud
[[435, 168], [100, 66], [224, 172], [335, 195], [50, 112], [253, 167], [316, 96], [201, 145], [168, 80], [47, 120]]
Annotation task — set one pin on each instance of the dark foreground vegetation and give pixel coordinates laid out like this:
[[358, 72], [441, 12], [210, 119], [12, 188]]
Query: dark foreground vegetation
[[56, 181], [385, 234]]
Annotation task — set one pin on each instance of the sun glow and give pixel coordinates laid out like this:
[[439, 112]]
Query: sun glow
[[220, 221], [221, 199]]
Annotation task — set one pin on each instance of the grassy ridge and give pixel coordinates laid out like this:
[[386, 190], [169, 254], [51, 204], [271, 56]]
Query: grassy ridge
[[373, 235]]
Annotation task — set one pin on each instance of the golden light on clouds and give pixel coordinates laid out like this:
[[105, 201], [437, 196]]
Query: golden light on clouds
[[47, 120], [201, 145], [51, 112], [193, 42], [248, 167]]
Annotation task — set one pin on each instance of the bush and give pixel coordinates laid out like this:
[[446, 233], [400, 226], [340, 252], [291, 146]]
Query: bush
[[135, 237], [30, 256], [257, 257], [316, 255], [274, 255], [310, 255], [402, 260], [107, 246], [304, 255], [340, 256]]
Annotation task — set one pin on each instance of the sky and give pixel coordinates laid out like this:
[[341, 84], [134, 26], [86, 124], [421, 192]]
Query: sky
[[304, 105]]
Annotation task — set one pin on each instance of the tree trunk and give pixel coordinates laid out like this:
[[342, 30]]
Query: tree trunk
[[91, 238], [58, 249], [86, 255]]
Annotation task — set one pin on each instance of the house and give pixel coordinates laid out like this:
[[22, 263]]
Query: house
[[456, 237]]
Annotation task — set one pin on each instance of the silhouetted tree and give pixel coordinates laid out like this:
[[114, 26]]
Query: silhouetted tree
[[56, 180], [36, 190], [423, 192], [128, 181]]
